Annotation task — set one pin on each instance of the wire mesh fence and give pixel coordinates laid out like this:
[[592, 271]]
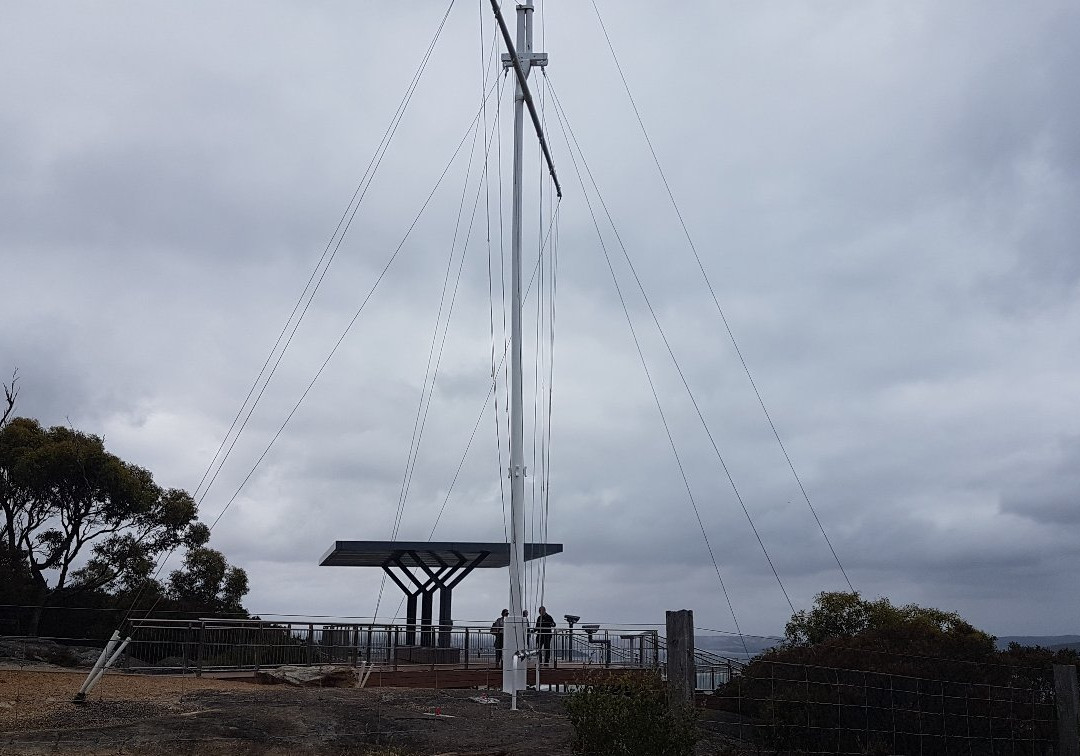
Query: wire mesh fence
[[774, 706], [168, 660], [812, 709]]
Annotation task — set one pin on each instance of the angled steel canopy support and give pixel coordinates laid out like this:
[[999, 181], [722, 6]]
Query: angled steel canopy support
[[421, 589], [420, 568], [411, 594]]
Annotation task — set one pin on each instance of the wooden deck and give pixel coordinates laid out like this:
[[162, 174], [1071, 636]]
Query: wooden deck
[[457, 676], [489, 677]]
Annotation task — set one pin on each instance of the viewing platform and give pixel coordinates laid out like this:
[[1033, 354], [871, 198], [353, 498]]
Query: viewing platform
[[241, 648]]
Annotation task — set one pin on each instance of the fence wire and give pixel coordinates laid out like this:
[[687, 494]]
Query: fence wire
[[825, 710], [772, 706]]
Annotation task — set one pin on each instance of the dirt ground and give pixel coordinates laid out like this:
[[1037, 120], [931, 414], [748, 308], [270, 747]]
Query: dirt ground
[[152, 715]]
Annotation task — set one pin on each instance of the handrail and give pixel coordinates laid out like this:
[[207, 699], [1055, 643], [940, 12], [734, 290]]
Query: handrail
[[220, 644]]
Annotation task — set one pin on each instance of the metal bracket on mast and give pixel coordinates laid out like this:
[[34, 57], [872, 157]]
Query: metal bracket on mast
[[521, 65], [525, 61]]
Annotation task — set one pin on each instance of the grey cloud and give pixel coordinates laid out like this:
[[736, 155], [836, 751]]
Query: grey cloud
[[1047, 490], [883, 196]]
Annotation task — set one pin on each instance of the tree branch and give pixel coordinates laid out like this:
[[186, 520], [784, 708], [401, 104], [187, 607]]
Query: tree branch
[[11, 393]]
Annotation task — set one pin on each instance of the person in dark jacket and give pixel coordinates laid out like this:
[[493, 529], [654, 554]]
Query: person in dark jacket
[[545, 626], [497, 631]]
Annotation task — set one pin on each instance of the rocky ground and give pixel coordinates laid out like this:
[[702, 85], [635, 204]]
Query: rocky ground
[[134, 715], [157, 715]]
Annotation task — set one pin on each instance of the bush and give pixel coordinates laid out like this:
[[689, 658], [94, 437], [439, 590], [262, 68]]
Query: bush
[[621, 716], [862, 676]]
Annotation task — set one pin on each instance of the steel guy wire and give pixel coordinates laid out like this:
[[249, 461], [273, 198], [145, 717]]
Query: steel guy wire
[[424, 408], [339, 233], [430, 374], [426, 390], [641, 356], [716, 301], [346, 219], [493, 382], [682, 375], [348, 327]]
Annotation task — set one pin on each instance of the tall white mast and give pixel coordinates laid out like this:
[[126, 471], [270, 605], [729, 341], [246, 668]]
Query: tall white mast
[[515, 630], [521, 58]]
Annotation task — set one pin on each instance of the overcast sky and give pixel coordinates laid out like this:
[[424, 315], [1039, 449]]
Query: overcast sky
[[885, 196]]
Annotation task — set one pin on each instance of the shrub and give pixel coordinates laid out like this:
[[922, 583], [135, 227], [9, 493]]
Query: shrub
[[630, 716]]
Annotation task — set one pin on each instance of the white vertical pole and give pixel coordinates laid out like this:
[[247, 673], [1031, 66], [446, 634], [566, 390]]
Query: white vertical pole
[[515, 628]]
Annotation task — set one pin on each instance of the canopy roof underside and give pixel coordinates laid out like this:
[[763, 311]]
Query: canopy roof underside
[[429, 553]]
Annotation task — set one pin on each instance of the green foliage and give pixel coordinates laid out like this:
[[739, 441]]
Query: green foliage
[[842, 618], [835, 615], [1037, 656], [63, 494], [629, 717], [66, 501], [15, 580], [208, 582], [870, 675]]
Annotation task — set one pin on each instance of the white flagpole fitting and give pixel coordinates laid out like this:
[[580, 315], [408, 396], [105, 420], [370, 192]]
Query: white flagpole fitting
[[524, 656], [108, 664], [106, 653]]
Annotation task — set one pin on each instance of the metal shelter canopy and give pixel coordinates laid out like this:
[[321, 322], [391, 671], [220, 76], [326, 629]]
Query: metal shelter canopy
[[428, 553], [439, 565]]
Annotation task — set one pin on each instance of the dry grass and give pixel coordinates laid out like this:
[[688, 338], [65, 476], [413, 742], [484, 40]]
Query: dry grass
[[150, 715], [158, 715], [29, 696]]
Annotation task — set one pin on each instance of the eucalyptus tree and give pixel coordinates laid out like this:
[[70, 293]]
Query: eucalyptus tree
[[207, 583], [77, 518]]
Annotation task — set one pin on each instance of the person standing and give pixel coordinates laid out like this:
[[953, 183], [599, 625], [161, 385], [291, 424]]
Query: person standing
[[525, 625], [497, 631], [545, 626]]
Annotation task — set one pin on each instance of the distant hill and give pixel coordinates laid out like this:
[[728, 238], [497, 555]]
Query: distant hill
[[730, 645], [1053, 642]]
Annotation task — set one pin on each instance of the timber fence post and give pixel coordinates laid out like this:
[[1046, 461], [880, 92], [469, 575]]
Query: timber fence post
[[680, 658], [1068, 706]]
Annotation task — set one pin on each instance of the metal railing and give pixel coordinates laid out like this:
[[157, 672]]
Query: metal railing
[[211, 645], [165, 646], [712, 670], [221, 645]]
